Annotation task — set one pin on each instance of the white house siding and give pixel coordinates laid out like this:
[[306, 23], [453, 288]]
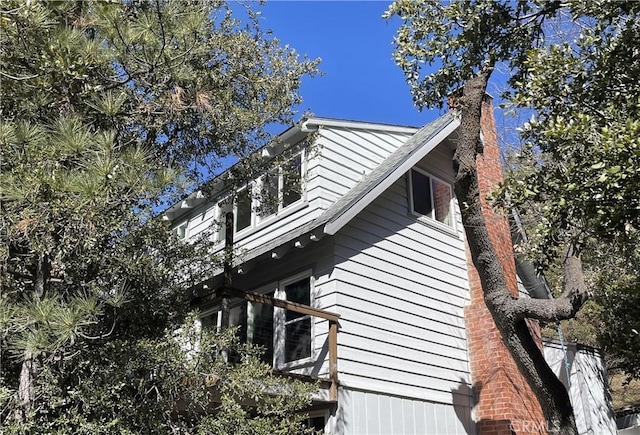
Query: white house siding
[[401, 288], [347, 154], [334, 165], [204, 216], [369, 413]]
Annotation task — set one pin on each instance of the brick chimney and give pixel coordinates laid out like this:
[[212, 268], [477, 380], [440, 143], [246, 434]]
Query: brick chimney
[[504, 403]]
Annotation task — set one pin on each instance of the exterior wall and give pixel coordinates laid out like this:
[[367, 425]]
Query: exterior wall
[[588, 387], [335, 163], [347, 154], [401, 287], [204, 217], [369, 413], [318, 258], [504, 402]]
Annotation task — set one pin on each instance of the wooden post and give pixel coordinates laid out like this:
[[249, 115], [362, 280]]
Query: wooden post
[[228, 265], [333, 360]]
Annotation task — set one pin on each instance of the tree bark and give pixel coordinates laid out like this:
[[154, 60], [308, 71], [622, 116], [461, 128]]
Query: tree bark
[[508, 311], [30, 365]]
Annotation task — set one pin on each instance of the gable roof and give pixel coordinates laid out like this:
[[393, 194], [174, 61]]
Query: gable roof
[[370, 187]]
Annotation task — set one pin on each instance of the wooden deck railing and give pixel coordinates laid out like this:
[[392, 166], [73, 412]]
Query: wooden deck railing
[[231, 292]]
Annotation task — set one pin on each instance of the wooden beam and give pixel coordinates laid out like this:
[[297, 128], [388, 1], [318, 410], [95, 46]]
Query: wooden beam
[[316, 235], [333, 360], [244, 268], [277, 254], [292, 306]]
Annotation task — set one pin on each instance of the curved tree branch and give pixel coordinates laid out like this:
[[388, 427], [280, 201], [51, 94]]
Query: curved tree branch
[[567, 305]]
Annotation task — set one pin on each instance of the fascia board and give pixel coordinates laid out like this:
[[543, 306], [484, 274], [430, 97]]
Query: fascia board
[[329, 122], [335, 225]]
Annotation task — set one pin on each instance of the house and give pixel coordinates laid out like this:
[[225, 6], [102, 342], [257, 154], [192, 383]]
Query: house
[[354, 271]]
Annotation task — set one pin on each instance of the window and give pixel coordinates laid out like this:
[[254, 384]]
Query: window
[[280, 187], [181, 231], [317, 421], [431, 197], [286, 336], [243, 210], [291, 186], [296, 336], [271, 193]]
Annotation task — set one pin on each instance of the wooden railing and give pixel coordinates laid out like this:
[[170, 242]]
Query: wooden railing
[[333, 318]]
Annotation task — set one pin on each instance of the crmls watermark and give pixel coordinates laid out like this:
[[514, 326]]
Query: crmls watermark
[[530, 427]]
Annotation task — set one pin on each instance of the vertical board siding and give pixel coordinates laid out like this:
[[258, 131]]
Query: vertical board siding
[[369, 413]]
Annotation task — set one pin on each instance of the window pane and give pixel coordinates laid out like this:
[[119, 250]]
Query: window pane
[[442, 202], [316, 423], [238, 318], [421, 192], [291, 181], [243, 210], [210, 320], [297, 339], [268, 195], [223, 209], [298, 292], [261, 330]]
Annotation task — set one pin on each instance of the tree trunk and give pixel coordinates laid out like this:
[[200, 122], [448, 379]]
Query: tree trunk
[[508, 312], [30, 365]]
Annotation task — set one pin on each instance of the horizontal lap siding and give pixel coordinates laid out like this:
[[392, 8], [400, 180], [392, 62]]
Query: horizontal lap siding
[[348, 154], [401, 289], [203, 217], [317, 257]]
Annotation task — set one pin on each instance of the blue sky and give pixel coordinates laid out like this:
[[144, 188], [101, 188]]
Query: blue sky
[[360, 81]]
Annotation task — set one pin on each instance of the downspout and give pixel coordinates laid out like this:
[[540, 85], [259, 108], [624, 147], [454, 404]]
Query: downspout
[[535, 283]]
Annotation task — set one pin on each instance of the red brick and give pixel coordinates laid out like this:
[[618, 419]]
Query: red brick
[[503, 394]]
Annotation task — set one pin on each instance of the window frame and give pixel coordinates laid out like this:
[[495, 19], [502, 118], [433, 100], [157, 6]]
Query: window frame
[[253, 187], [280, 323], [325, 414], [184, 226], [281, 187], [431, 217], [279, 320]]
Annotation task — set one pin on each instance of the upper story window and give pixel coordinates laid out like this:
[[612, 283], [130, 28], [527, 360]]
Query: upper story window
[[181, 231], [431, 197], [271, 193], [279, 188]]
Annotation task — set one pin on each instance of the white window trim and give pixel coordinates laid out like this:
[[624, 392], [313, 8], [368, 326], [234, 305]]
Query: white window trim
[[431, 220], [322, 413], [277, 287], [184, 225], [252, 220], [283, 211], [279, 324]]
